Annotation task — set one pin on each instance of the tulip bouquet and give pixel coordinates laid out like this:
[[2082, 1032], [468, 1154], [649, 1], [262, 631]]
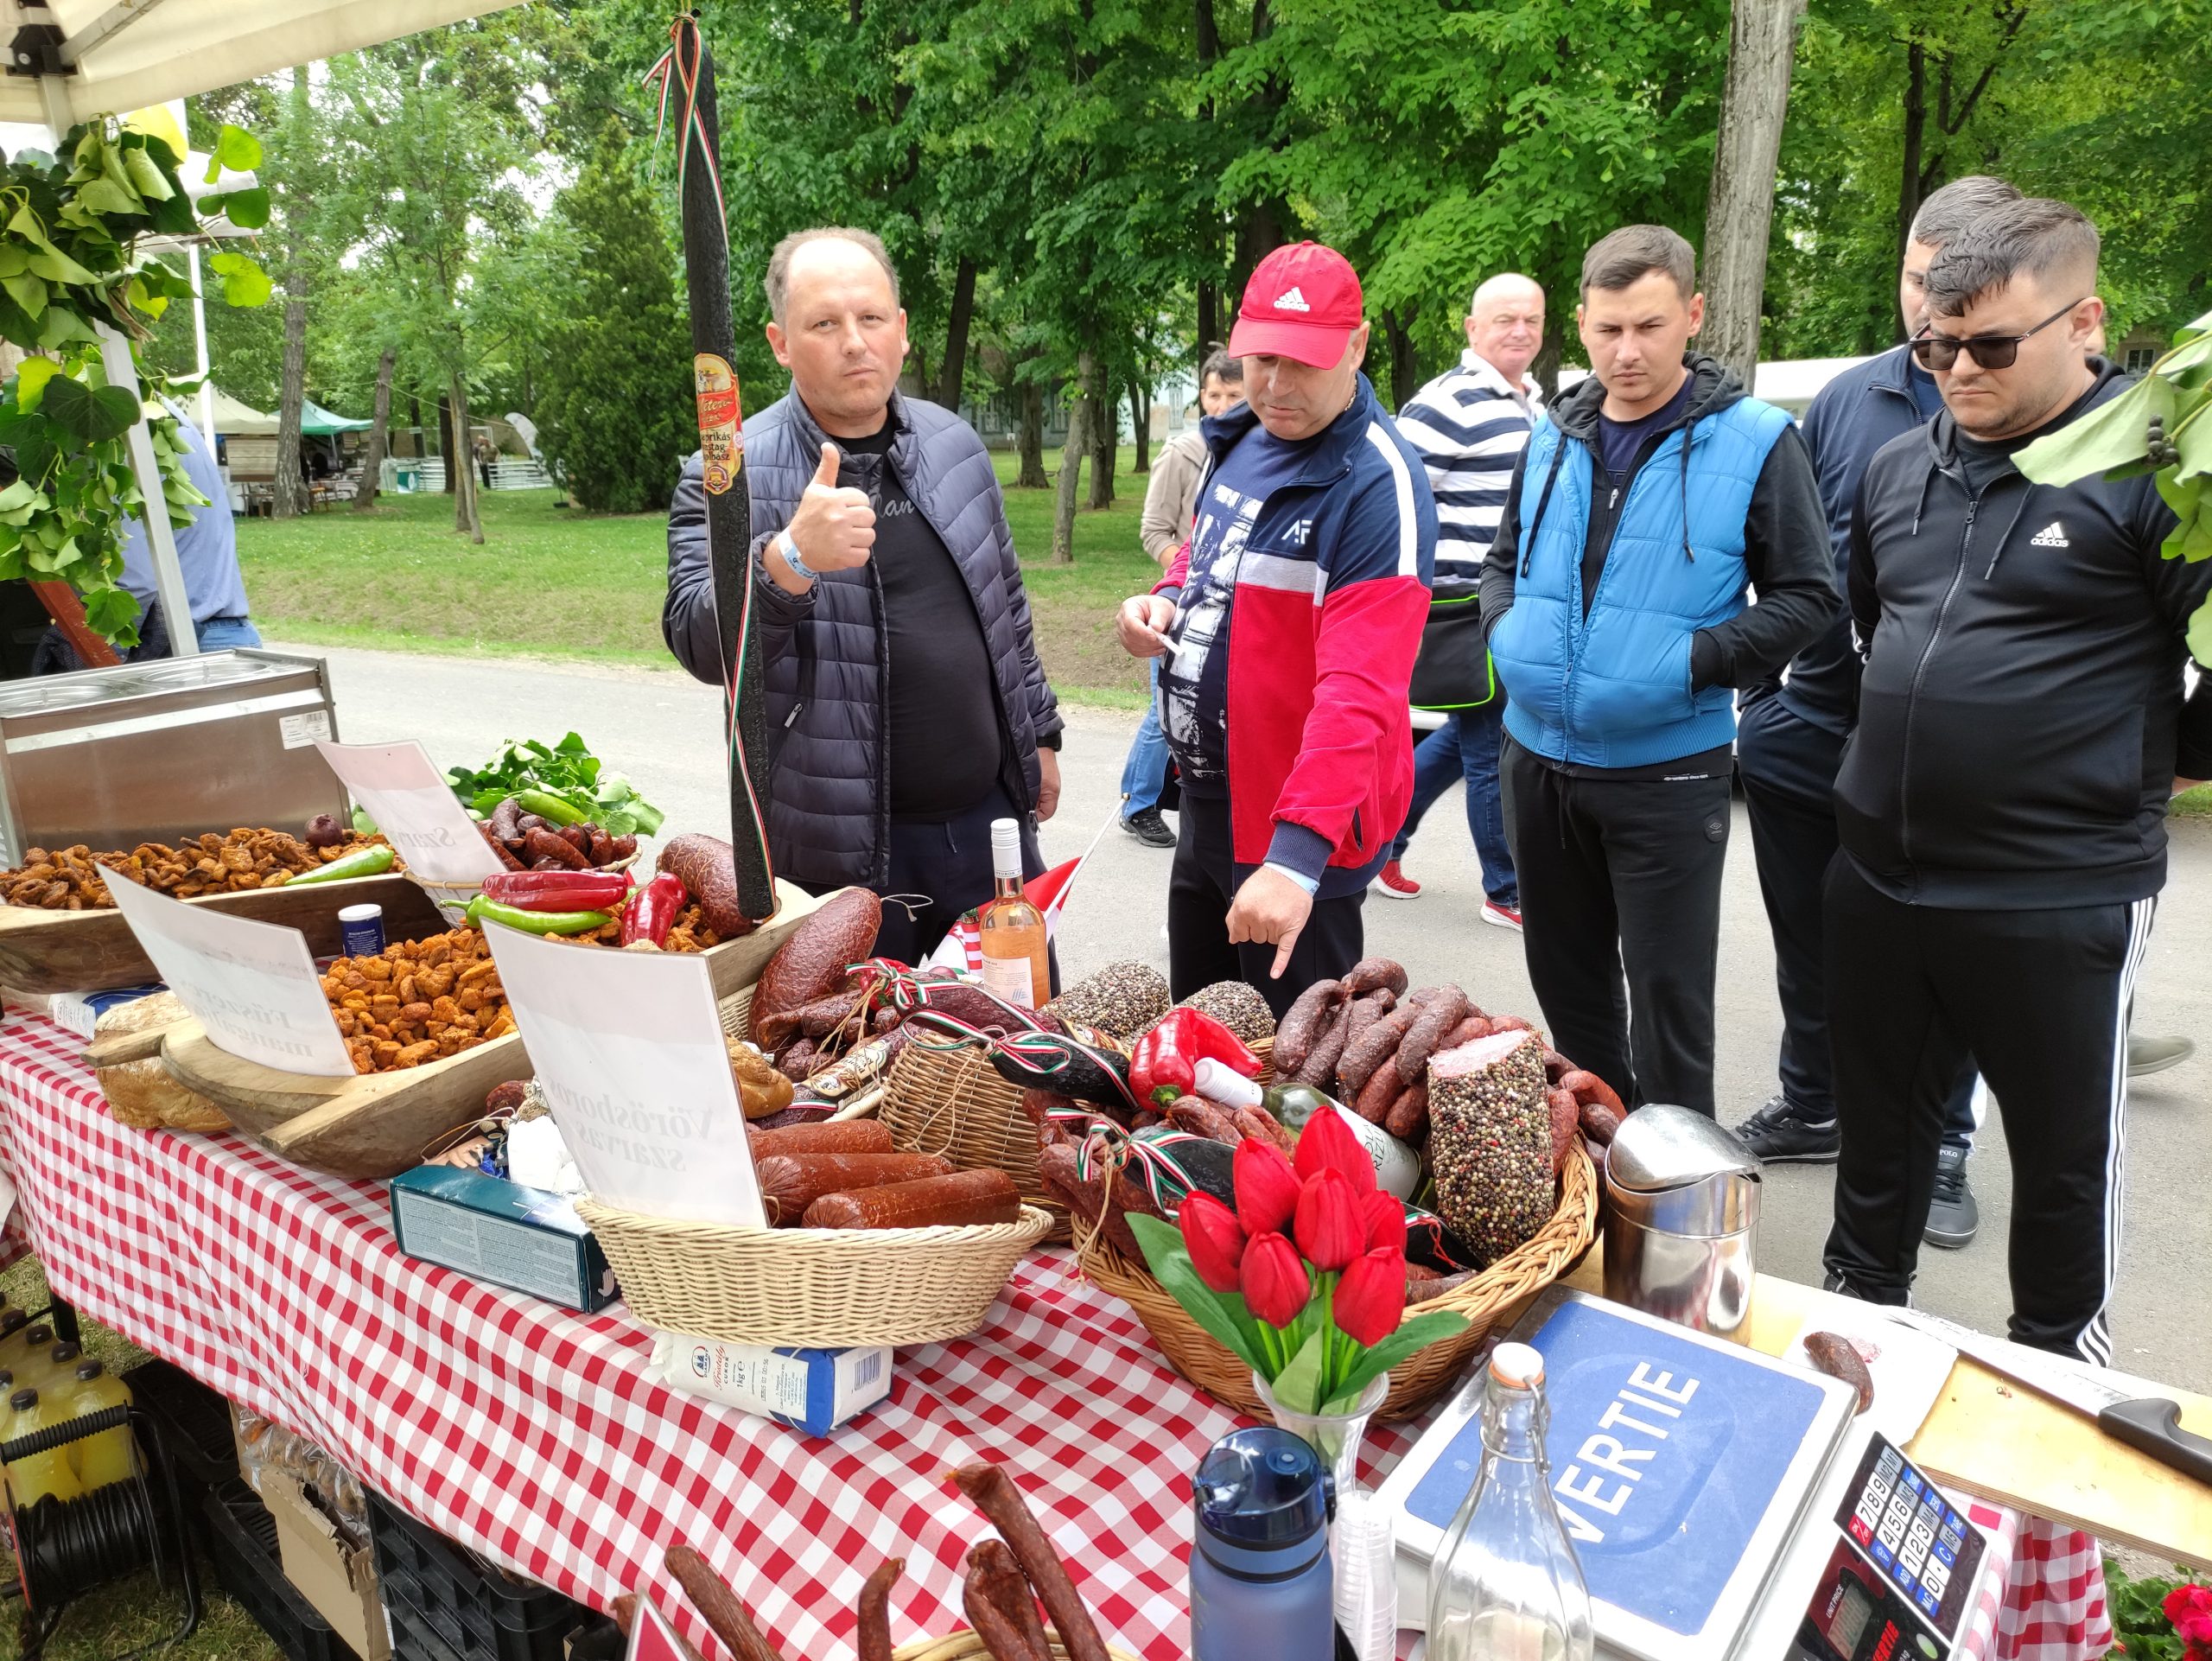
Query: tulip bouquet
[[1306, 1279]]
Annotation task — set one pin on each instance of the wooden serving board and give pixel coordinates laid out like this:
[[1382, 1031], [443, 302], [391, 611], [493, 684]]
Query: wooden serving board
[[376, 1124], [95, 951]]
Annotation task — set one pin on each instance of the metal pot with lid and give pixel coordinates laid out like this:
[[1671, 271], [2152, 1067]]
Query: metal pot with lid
[[1682, 1212]]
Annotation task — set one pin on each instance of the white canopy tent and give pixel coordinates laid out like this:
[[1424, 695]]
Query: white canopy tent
[[70, 60]]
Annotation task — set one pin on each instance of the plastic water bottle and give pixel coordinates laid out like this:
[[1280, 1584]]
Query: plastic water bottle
[[1505, 1584], [112, 1455], [1259, 1570], [37, 1476]]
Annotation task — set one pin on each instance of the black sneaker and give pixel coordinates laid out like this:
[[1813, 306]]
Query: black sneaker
[[1780, 1134], [1953, 1216], [1148, 828]]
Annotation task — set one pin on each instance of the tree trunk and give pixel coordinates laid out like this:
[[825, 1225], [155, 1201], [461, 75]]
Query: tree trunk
[[462, 466], [414, 424], [1071, 453], [288, 496], [1740, 202], [1140, 420], [1404, 363], [1210, 335], [1103, 431], [445, 442], [1545, 370], [379, 433], [1915, 129], [954, 368], [1032, 475]]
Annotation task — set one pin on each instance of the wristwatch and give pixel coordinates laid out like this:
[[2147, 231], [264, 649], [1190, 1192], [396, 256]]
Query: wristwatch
[[789, 550]]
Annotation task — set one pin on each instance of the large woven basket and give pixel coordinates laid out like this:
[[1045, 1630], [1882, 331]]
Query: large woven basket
[[966, 1646], [1494, 1298], [826, 1287]]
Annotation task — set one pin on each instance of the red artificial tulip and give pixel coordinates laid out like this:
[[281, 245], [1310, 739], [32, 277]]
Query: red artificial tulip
[[1267, 1187], [1327, 1144], [1371, 1297], [1214, 1237], [1332, 1228], [1386, 1221], [1273, 1280]]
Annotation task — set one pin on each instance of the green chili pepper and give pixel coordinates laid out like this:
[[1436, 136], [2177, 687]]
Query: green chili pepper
[[481, 910], [362, 862], [550, 807]]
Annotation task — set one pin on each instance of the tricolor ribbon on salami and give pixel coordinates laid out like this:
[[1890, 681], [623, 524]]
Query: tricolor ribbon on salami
[[686, 74]]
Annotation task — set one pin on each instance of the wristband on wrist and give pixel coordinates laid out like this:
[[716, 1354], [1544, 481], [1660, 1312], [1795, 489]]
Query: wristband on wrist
[[789, 550]]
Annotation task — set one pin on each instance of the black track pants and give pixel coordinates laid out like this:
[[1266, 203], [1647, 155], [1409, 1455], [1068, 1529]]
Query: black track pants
[[2040, 999], [1620, 913]]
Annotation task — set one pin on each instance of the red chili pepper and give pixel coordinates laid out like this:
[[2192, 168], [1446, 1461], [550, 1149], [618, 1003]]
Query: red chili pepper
[[1162, 1067], [653, 912], [558, 890]]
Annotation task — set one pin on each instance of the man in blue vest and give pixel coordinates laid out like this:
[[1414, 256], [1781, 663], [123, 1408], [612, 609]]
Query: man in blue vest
[[1651, 499]]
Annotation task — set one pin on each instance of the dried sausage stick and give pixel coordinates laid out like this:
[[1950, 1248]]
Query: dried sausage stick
[[993, 1570], [874, 1638], [993, 1493], [1589, 1087], [1320, 1064], [1300, 1026], [1363, 1059], [726, 1616]]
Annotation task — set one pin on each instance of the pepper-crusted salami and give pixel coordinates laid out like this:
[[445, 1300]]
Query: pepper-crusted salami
[[1490, 1142]]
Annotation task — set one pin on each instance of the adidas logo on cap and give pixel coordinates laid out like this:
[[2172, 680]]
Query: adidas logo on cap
[[1292, 300], [2051, 535]]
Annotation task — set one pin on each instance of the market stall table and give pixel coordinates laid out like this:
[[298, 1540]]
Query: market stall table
[[535, 1437]]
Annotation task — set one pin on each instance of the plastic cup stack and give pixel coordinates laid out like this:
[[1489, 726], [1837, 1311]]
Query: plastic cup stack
[[1367, 1576]]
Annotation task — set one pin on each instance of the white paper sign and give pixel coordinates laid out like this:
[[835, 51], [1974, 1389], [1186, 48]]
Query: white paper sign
[[629, 1051], [415, 808], [251, 985]]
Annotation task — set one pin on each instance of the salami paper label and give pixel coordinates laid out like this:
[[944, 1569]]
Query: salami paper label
[[716, 385]]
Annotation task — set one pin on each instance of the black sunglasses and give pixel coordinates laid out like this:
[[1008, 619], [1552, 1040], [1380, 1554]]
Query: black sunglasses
[[1939, 352]]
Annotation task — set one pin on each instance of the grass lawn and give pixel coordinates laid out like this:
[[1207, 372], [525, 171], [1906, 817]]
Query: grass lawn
[[551, 582], [2194, 804]]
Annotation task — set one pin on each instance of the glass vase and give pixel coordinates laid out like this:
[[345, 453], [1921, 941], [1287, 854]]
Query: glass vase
[[1362, 1547]]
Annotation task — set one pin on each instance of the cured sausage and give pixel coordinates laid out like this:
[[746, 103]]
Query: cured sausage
[[811, 964], [841, 1136], [997, 1578], [951, 1200], [707, 869], [1839, 1358], [1301, 1025], [1376, 975], [1408, 1113], [1374, 1103], [1257, 1121], [994, 1494], [1376, 1045], [545, 845], [1599, 1123], [726, 1617], [1474, 1027], [1320, 1066], [797, 1060], [1556, 1066], [1057, 1167], [1589, 1087], [1437, 1016], [1566, 1120], [1203, 1119], [872, 1638], [792, 1182]]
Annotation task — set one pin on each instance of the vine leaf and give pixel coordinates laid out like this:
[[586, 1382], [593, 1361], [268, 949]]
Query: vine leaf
[[146, 176], [92, 417], [31, 377], [27, 291], [235, 149], [244, 284], [113, 614]]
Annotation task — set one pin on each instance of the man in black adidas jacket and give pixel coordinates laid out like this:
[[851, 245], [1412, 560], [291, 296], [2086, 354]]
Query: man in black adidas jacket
[[2022, 724]]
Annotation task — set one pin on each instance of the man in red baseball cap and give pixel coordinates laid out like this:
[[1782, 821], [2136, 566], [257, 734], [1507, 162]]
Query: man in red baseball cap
[[1290, 624]]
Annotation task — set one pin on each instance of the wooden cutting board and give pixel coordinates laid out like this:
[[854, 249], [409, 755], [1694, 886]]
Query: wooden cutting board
[[376, 1124], [95, 951]]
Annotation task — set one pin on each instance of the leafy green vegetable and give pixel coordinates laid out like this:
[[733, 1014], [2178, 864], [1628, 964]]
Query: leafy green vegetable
[[568, 770]]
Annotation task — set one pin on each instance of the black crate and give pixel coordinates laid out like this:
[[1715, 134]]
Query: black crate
[[446, 1605], [240, 1545], [195, 1426]]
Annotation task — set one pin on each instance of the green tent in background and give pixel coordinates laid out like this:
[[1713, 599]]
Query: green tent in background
[[314, 418]]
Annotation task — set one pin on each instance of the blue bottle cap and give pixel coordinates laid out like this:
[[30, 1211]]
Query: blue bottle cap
[[1263, 1488]]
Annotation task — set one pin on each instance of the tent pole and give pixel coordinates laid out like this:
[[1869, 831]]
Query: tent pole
[[206, 398], [161, 540]]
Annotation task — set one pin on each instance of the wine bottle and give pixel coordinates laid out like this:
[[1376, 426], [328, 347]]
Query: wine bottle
[[1017, 961]]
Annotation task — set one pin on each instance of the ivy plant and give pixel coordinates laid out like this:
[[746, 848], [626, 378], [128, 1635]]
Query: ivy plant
[[74, 235]]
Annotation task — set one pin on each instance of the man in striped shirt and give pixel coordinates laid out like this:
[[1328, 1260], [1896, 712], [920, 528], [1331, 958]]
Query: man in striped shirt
[[1470, 424]]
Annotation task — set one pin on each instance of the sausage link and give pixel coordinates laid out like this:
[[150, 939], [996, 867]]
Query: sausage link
[[1589, 1087], [1839, 1358], [827, 1137], [1257, 1121], [1375, 1046], [1375, 1101], [994, 1494], [1437, 1016], [1203, 1119], [1376, 975], [727, 1617], [1566, 1120], [545, 845], [1001, 1640], [790, 1183], [953, 1199], [1301, 1025], [993, 1571], [1600, 1123], [872, 1638], [1320, 1066], [1408, 1113]]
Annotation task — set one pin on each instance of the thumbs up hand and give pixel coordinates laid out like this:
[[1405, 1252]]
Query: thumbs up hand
[[833, 528]]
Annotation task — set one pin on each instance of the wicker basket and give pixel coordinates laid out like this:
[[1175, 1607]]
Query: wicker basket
[[950, 1101], [966, 1646], [831, 1289], [1494, 1298]]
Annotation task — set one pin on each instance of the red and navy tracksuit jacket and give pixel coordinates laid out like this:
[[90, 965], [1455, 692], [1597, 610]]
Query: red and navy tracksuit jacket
[[1331, 592]]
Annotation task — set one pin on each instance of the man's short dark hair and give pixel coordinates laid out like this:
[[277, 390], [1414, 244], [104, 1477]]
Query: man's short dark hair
[[1633, 252], [779, 261], [1957, 205], [2050, 240], [1221, 366]]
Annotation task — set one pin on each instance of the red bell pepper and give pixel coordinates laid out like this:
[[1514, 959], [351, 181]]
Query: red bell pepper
[[653, 912], [558, 890], [1162, 1067]]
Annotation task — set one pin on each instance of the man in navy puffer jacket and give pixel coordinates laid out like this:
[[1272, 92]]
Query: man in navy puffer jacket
[[907, 705]]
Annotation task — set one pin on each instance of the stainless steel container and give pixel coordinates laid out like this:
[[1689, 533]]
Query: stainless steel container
[[1683, 1220], [155, 751]]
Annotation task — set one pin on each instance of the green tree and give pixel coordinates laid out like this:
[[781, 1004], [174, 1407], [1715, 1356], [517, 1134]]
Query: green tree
[[613, 406]]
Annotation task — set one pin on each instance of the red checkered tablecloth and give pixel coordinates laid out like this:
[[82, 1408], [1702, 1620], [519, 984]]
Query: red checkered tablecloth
[[536, 1438]]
